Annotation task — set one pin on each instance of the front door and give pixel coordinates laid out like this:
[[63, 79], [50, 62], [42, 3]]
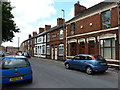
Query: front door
[[91, 47], [82, 48], [52, 53], [55, 53]]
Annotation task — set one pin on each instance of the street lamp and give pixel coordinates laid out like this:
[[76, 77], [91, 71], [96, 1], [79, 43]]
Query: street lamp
[[63, 25], [63, 13]]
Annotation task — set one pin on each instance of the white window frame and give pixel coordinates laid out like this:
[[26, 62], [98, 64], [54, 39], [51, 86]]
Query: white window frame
[[61, 34], [61, 47]]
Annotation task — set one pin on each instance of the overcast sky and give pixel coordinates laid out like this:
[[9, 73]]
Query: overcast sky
[[32, 14]]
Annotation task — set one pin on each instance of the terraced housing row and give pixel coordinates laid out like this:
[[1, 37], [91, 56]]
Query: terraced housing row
[[94, 30]]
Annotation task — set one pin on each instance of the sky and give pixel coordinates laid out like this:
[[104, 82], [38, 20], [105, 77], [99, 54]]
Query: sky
[[30, 15]]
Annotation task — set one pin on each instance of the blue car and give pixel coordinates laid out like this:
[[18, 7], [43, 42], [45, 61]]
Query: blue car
[[15, 69], [88, 63]]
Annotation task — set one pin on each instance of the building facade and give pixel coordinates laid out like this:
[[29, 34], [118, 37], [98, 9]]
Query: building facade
[[94, 31], [10, 49], [56, 41]]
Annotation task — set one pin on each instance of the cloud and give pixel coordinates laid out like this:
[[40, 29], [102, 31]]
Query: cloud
[[71, 14], [29, 16], [29, 11]]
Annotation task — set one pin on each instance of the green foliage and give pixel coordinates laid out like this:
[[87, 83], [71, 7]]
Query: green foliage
[[8, 25]]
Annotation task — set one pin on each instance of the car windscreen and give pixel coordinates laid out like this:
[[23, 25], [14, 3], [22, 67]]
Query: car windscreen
[[15, 63], [98, 57], [25, 53]]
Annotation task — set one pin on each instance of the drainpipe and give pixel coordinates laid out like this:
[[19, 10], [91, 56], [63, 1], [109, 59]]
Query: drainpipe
[[118, 7]]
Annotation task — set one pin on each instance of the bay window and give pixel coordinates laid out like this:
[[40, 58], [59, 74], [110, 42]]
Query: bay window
[[107, 48]]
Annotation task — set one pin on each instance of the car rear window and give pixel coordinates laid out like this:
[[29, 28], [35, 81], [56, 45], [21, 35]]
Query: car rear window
[[98, 57], [15, 63]]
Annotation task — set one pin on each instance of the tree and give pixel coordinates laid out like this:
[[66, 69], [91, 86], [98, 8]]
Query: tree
[[8, 25]]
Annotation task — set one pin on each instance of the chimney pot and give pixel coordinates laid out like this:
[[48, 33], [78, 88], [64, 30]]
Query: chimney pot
[[34, 33], [60, 21], [41, 30], [47, 27], [29, 35], [78, 8]]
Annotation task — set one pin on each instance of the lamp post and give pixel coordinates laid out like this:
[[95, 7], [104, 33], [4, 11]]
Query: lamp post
[[18, 42], [63, 28], [63, 13]]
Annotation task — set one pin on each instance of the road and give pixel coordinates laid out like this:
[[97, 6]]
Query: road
[[52, 74]]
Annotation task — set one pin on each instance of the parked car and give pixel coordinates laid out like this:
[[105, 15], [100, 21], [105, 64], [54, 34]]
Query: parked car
[[88, 63], [26, 54], [12, 53], [19, 53], [15, 69], [2, 54]]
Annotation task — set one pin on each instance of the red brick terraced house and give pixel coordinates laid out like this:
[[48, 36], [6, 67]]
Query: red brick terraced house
[[56, 41], [94, 31]]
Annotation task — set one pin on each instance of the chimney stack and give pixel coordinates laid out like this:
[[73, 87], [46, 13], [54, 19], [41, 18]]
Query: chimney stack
[[29, 35], [34, 33], [60, 21], [78, 8], [47, 27], [41, 30]]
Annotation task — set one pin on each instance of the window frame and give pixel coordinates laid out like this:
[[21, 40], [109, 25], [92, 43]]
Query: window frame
[[48, 48], [61, 35], [111, 47], [61, 48], [72, 31], [106, 20], [48, 37]]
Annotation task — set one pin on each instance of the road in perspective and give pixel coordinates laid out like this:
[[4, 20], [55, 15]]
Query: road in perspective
[[52, 74]]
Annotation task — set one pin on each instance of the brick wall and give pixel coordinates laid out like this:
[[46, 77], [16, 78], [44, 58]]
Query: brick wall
[[95, 20], [85, 23], [55, 41], [114, 17]]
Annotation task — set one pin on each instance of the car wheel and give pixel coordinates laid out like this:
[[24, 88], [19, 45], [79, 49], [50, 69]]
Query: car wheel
[[30, 80], [67, 66], [103, 71], [89, 71]]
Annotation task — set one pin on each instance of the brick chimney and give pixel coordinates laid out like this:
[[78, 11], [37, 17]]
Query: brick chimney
[[34, 33], [29, 36], [41, 30], [78, 8], [47, 27], [60, 21]]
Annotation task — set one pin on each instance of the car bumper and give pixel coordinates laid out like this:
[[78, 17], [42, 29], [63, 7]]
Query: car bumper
[[100, 68], [7, 80]]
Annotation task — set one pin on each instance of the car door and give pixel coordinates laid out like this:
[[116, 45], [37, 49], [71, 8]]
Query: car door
[[74, 62], [77, 62]]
